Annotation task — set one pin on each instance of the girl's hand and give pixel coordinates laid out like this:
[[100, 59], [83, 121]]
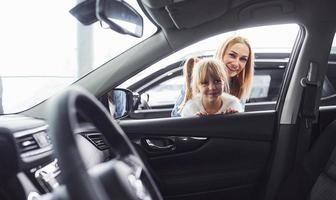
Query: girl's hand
[[230, 111], [201, 114]]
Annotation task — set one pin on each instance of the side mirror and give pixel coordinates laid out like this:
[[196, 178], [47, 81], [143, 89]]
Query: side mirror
[[120, 17], [120, 102]]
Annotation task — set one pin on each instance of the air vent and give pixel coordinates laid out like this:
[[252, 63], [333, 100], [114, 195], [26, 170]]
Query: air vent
[[33, 142], [98, 140], [27, 143]]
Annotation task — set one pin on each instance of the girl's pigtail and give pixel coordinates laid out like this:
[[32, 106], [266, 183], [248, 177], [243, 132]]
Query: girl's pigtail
[[187, 72]]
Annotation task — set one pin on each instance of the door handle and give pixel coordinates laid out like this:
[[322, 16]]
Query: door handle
[[171, 144], [157, 147]]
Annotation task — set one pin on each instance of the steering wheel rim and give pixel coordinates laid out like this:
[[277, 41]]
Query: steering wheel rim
[[126, 171]]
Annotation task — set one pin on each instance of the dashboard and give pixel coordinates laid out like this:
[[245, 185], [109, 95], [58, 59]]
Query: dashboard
[[29, 166]]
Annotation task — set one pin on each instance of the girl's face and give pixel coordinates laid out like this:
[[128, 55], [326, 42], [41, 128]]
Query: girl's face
[[211, 88], [235, 58]]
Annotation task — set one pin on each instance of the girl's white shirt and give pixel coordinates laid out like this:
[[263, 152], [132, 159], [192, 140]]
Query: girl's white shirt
[[195, 105]]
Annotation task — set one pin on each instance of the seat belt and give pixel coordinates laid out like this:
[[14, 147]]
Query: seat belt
[[308, 113]]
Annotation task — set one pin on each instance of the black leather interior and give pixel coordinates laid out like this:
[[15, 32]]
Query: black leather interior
[[314, 177], [230, 164]]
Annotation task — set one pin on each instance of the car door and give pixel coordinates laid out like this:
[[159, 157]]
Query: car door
[[206, 158], [213, 157]]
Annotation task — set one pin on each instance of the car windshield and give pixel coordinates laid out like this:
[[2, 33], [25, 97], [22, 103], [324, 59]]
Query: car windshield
[[44, 49]]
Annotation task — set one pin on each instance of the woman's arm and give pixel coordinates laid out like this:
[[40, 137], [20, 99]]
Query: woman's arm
[[242, 103], [234, 106], [231, 104], [175, 112]]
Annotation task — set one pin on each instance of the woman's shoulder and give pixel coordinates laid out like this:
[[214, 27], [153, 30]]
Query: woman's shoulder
[[229, 97], [230, 101]]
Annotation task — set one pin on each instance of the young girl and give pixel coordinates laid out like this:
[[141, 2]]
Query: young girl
[[238, 57], [208, 90]]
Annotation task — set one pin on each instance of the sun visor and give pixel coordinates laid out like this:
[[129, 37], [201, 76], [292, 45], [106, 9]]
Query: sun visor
[[155, 4], [187, 13], [184, 17]]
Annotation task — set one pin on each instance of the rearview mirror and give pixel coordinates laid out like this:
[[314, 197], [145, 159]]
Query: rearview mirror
[[120, 17]]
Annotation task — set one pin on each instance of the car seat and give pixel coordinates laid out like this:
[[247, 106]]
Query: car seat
[[314, 177]]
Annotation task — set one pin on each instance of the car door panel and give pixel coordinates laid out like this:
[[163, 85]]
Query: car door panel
[[238, 126], [269, 105], [229, 162], [218, 164], [151, 113], [166, 112]]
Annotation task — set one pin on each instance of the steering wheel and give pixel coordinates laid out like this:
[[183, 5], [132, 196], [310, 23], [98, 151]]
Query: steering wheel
[[123, 177]]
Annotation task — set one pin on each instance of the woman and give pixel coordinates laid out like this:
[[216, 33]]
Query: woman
[[237, 55]]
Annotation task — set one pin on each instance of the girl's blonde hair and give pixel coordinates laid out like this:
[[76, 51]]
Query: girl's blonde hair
[[187, 73], [197, 72], [241, 84]]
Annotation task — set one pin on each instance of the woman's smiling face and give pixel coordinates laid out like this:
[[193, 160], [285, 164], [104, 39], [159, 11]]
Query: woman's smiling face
[[235, 58]]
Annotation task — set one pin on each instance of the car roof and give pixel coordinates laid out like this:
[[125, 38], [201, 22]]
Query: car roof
[[186, 14], [209, 17]]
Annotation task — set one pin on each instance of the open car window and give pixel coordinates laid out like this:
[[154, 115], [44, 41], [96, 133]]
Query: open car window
[[160, 84]]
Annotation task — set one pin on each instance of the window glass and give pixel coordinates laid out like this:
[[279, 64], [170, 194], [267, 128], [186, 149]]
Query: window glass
[[328, 96], [44, 49], [169, 89], [272, 46], [260, 86]]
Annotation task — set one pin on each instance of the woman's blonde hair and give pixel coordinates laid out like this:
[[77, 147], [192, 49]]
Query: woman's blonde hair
[[197, 72], [241, 84]]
